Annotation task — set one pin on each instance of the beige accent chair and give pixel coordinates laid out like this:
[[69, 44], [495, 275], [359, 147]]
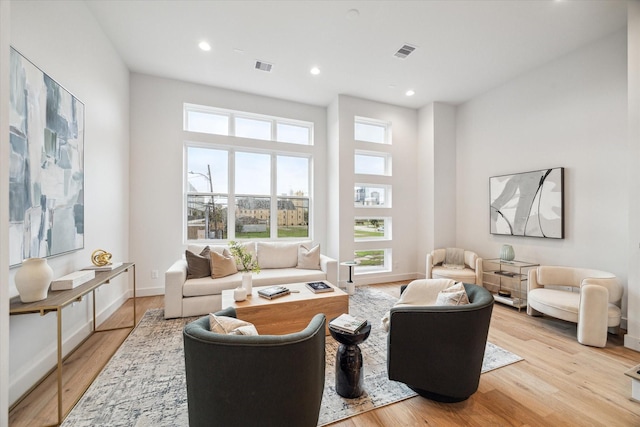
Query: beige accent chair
[[472, 272], [592, 300]]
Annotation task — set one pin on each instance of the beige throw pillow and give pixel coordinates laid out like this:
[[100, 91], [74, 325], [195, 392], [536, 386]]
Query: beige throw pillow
[[198, 265], [230, 326], [454, 295], [309, 259], [222, 264]]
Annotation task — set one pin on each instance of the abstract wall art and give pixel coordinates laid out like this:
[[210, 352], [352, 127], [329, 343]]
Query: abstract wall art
[[528, 204], [46, 168]]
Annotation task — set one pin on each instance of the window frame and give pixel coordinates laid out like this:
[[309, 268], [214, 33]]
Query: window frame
[[366, 121], [231, 195], [234, 114]]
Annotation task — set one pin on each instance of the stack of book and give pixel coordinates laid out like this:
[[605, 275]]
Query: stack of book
[[72, 280], [347, 323], [317, 287], [274, 292]]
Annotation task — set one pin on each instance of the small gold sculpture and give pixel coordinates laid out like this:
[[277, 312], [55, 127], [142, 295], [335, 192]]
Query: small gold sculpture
[[100, 258]]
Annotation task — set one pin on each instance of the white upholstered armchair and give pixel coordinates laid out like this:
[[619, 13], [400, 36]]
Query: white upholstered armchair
[[441, 264], [592, 301]]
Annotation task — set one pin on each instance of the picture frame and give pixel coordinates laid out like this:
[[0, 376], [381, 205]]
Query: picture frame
[[528, 204], [46, 167]]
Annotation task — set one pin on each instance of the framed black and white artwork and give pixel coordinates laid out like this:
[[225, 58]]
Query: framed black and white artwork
[[528, 204]]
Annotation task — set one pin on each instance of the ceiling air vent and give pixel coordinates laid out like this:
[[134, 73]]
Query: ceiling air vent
[[264, 66], [404, 51]]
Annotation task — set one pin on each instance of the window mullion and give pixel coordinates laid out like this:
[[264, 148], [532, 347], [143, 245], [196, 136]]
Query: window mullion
[[231, 198], [273, 224]]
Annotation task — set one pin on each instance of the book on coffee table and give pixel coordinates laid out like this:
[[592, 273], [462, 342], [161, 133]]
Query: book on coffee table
[[274, 292], [317, 287], [347, 323]]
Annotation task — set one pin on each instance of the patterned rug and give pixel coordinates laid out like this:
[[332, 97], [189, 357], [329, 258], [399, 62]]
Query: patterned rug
[[144, 383]]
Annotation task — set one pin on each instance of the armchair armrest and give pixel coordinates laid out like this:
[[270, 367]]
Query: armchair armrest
[[174, 279], [429, 265], [479, 270], [592, 315], [330, 267]]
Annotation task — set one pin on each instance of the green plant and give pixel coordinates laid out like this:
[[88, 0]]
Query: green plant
[[243, 257]]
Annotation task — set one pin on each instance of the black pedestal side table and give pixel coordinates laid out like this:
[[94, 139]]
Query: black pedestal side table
[[349, 369]]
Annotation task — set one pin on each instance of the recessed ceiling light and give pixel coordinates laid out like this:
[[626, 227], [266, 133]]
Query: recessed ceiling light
[[204, 46], [410, 92], [315, 71]]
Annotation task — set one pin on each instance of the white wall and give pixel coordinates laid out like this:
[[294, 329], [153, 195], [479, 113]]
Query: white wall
[[4, 213], [63, 39], [632, 339], [404, 125], [157, 138], [436, 180], [571, 113]]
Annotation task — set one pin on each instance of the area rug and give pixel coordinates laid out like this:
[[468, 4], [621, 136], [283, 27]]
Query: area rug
[[144, 382]]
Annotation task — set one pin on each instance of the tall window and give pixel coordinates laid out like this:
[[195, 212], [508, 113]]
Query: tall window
[[372, 159], [234, 191]]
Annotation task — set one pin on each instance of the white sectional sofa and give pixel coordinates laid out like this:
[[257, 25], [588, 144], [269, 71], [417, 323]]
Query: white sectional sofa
[[278, 262]]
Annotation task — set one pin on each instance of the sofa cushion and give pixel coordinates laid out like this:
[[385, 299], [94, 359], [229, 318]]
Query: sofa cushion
[[223, 264], [309, 258], [230, 326], [198, 263], [278, 254]]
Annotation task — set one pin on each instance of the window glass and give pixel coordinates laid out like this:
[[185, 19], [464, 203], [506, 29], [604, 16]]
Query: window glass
[[293, 134], [206, 217], [293, 217], [293, 176], [207, 170], [198, 121], [371, 228], [253, 173], [370, 164], [367, 195], [372, 260], [252, 128], [370, 132], [252, 217]]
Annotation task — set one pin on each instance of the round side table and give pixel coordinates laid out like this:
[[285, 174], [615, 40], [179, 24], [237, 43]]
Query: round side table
[[349, 370]]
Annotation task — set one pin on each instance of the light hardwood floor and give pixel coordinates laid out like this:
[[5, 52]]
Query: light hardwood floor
[[560, 382]]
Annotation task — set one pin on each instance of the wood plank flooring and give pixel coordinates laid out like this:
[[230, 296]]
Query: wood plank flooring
[[560, 382]]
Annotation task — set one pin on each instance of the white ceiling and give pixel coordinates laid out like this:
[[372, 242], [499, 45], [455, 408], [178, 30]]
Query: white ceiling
[[464, 47]]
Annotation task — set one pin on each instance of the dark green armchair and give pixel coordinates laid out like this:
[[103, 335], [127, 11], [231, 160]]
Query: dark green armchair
[[438, 350], [268, 380]]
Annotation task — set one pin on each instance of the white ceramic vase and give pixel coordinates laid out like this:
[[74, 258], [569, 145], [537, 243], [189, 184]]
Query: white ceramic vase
[[247, 282], [239, 294], [33, 279]]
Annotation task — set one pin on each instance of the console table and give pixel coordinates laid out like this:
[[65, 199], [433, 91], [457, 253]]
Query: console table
[[511, 273], [57, 300]]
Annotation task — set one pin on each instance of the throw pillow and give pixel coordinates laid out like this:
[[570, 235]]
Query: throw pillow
[[230, 326], [454, 295], [223, 264], [277, 254], [198, 265], [454, 258], [309, 259]]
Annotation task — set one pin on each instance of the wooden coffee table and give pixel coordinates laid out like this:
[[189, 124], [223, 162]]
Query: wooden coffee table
[[290, 313]]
